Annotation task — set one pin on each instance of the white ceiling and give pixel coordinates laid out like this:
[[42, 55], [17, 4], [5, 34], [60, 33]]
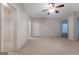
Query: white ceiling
[[34, 9]]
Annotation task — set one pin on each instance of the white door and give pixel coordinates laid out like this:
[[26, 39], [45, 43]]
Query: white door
[[35, 29]]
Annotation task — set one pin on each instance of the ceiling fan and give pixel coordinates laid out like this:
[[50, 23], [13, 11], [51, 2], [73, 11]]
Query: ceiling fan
[[53, 8]]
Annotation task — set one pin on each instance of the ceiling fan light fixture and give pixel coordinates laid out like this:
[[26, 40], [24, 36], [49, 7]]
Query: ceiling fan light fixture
[[53, 7], [50, 5], [51, 10]]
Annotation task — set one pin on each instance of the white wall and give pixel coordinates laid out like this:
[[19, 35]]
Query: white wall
[[22, 25], [22, 28], [47, 27]]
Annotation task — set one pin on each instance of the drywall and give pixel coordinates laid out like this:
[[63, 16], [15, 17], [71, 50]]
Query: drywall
[[22, 25], [47, 27]]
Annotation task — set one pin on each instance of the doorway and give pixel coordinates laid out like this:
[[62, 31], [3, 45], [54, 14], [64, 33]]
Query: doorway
[[35, 29], [64, 28]]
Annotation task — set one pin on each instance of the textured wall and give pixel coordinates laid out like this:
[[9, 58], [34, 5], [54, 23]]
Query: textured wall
[[22, 28]]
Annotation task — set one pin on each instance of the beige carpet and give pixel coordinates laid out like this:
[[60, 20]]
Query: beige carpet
[[49, 46]]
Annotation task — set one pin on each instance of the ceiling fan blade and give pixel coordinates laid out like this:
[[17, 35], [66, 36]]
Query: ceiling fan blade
[[44, 10], [60, 6], [56, 11]]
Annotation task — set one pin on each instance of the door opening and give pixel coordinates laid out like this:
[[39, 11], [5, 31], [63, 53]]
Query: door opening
[[64, 28]]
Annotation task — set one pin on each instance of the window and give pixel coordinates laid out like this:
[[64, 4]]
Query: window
[[64, 27]]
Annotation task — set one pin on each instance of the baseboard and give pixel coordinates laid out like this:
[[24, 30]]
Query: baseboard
[[18, 49]]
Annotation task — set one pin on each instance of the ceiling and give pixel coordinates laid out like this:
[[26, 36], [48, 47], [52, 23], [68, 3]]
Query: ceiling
[[34, 9]]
